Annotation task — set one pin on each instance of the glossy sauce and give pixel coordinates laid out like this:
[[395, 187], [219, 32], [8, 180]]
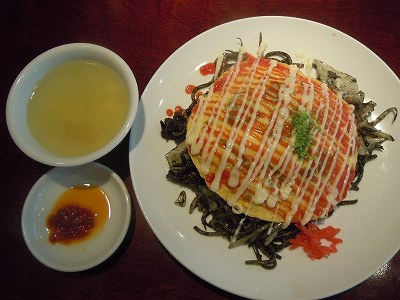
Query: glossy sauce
[[170, 112], [78, 214], [208, 69], [77, 108], [189, 88]]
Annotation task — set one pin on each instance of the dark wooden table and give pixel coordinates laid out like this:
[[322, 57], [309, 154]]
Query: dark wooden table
[[145, 33]]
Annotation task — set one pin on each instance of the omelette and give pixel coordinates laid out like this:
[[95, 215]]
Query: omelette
[[274, 143]]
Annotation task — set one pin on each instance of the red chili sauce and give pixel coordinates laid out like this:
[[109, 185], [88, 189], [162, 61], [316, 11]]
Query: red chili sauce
[[170, 112], [207, 69], [69, 223], [189, 88], [78, 213]]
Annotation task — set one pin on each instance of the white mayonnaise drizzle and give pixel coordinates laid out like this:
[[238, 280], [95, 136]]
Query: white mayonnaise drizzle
[[273, 220], [323, 181], [244, 106], [307, 61], [283, 113], [236, 126], [320, 141], [261, 49], [234, 237], [234, 176]]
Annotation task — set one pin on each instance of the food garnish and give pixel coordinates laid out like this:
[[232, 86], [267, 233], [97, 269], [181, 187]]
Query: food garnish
[[312, 238], [303, 128]]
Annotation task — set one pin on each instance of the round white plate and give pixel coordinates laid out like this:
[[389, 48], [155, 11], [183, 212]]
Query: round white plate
[[88, 253], [369, 228]]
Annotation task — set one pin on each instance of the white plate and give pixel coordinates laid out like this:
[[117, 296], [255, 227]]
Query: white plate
[[369, 228], [88, 253]]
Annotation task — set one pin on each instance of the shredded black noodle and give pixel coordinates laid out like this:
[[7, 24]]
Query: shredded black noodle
[[265, 238]]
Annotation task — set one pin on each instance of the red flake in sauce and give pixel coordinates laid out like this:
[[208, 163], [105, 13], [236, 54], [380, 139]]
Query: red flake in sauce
[[69, 223]]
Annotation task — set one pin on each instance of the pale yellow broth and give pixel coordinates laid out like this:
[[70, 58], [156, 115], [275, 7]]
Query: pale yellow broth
[[77, 108]]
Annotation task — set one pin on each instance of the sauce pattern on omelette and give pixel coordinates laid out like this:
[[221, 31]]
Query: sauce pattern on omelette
[[241, 138]]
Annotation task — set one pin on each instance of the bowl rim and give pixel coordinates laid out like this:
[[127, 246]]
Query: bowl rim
[[43, 63]]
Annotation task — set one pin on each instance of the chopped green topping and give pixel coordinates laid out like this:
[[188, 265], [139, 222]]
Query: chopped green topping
[[303, 126]]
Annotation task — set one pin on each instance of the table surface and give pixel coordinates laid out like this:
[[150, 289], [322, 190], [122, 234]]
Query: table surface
[[145, 33]]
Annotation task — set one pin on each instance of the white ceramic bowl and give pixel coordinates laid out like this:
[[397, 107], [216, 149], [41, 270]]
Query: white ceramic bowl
[[23, 85], [90, 252]]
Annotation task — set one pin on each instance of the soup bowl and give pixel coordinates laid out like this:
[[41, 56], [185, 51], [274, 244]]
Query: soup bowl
[[22, 90]]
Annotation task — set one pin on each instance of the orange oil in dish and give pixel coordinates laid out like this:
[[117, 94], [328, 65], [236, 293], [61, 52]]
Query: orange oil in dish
[[79, 213]]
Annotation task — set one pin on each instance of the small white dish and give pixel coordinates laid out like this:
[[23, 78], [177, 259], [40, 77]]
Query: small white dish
[[89, 252], [21, 91]]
